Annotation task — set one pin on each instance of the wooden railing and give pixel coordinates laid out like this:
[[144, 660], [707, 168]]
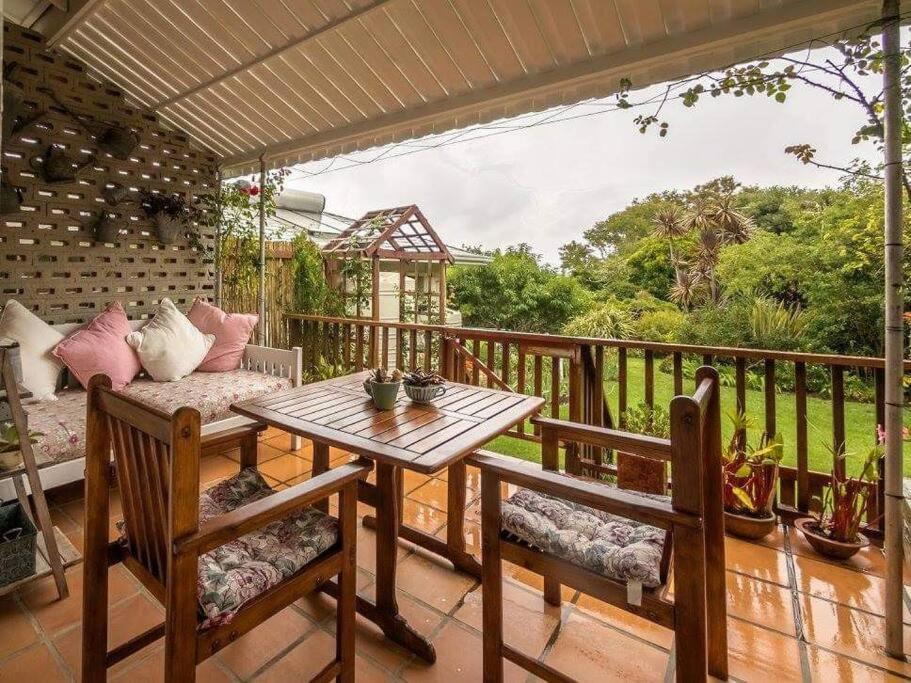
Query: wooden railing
[[572, 372]]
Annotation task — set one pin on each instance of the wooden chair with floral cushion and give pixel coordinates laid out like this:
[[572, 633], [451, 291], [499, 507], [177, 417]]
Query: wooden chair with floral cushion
[[615, 544], [221, 562]]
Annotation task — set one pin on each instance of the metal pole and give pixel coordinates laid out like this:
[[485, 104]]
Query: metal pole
[[261, 334], [894, 330], [218, 207]]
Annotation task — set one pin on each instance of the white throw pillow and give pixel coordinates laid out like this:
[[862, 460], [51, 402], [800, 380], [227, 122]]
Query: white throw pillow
[[170, 346], [40, 369]]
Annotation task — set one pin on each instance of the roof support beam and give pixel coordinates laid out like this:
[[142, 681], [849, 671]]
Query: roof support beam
[[669, 54], [277, 51]]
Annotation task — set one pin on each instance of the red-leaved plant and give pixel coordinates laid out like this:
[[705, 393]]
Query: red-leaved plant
[[750, 474], [842, 506]]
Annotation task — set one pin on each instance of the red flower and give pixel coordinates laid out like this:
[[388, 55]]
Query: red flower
[[253, 190]]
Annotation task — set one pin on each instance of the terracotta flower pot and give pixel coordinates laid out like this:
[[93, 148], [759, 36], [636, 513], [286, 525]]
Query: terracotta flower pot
[[752, 528], [824, 545]]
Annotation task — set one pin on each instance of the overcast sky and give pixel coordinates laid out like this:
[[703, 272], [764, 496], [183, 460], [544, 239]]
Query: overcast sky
[[546, 185]]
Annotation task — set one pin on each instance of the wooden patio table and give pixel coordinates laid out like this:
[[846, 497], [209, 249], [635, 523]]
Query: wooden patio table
[[425, 438]]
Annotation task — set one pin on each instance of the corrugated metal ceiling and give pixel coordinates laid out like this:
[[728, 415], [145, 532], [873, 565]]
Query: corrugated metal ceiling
[[297, 80]]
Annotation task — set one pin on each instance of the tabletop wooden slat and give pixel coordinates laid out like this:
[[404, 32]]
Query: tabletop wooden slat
[[422, 437]]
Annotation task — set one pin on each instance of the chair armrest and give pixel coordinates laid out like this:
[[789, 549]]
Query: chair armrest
[[219, 530], [591, 493], [638, 444]]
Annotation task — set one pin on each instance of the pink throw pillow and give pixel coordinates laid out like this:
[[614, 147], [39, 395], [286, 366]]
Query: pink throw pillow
[[232, 332], [101, 348]]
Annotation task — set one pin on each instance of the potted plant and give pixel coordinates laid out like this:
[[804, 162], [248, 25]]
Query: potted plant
[[384, 387], [423, 387], [169, 212], [10, 449], [750, 482], [834, 531]]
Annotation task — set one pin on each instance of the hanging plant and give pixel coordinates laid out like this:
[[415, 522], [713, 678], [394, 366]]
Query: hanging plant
[[169, 212], [56, 166], [10, 197]]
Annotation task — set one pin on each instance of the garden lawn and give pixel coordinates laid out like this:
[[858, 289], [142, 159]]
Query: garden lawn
[[860, 421]]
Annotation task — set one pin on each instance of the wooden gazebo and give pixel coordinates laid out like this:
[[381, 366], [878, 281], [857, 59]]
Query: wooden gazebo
[[400, 240]]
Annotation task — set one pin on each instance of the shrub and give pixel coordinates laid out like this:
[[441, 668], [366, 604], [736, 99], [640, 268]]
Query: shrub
[[606, 321], [717, 325], [659, 325]]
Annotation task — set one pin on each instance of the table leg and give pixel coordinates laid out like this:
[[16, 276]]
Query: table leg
[[387, 532], [453, 548], [455, 520], [320, 465]]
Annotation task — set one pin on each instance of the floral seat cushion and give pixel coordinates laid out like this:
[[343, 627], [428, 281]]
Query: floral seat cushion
[[235, 573], [616, 547], [62, 422]]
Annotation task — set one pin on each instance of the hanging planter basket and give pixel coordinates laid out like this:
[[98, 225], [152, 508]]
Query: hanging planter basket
[[56, 166], [168, 228], [10, 198], [119, 142], [106, 229]]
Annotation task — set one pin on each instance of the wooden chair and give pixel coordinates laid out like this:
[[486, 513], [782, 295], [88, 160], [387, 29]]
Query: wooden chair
[[692, 519], [156, 457]]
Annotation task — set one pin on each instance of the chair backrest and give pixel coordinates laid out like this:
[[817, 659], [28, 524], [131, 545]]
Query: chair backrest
[[156, 458]]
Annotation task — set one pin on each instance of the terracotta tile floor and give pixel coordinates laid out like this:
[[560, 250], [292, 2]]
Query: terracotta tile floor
[[792, 616]]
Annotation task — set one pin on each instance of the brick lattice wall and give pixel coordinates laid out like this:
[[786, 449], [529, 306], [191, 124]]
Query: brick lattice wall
[[50, 261]]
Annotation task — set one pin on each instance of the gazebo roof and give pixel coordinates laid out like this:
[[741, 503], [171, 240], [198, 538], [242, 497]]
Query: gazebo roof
[[401, 233]]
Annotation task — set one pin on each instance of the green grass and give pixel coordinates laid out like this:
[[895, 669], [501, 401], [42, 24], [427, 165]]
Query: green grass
[[860, 421]]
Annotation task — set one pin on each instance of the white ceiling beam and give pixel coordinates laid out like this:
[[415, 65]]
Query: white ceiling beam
[[670, 53]]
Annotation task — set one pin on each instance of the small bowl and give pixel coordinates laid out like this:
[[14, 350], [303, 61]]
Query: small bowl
[[424, 394]]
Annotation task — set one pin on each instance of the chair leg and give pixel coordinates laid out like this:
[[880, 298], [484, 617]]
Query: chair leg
[[347, 584], [492, 582], [180, 620], [552, 592], [95, 598], [690, 605]]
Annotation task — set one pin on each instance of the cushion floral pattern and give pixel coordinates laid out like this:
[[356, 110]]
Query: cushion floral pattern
[[62, 422], [616, 547], [235, 573]]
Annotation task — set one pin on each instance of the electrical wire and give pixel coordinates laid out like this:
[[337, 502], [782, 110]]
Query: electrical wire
[[555, 115]]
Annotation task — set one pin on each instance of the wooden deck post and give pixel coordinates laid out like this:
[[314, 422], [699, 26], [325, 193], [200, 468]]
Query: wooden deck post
[[261, 335], [894, 327]]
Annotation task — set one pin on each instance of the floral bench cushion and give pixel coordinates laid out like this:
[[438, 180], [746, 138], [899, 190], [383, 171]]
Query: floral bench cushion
[[62, 422], [616, 547], [235, 573]]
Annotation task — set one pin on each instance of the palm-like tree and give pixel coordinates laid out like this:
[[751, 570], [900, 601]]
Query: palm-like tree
[[668, 223], [734, 226], [685, 287]]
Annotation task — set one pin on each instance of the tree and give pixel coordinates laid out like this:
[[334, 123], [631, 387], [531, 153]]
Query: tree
[[850, 71], [516, 291], [575, 257]]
